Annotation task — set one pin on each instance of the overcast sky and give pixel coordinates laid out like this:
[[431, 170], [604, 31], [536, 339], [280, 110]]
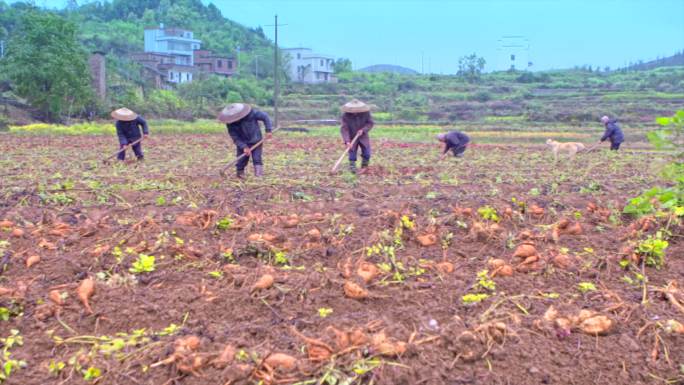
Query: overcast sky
[[431, 35]]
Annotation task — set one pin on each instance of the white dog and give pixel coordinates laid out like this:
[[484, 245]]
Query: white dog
[[570, 147]]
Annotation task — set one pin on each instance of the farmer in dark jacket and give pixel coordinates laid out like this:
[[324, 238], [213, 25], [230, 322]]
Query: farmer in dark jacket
[[613, 132], [243, 127], [357, 119], [128, 126], [455, 141]]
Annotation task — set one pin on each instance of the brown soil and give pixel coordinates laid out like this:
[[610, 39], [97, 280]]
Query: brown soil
[[412, 327]]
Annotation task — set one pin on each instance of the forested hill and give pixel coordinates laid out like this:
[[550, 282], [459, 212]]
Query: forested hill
[[117, 26]]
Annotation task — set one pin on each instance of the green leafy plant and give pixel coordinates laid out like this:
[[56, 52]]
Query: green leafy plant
[[652, 249], [474, 298], [224, 224], [7, 363], [484, 281], [92, 373], [324, 312], [488, 213], [144, 264], [586, 287]]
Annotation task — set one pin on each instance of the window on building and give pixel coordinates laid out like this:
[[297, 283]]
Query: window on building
[[230, 64], [321, 62], [299, 56], [170, 76], [187, 77], [219, 63]]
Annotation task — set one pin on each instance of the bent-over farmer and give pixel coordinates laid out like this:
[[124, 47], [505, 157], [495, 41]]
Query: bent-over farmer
[[455, 141], [357, 118], [242, 122], [613, 133], [128, 126]]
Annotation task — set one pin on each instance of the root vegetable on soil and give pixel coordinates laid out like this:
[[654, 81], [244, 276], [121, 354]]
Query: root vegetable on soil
[[354, 290], [5, 224], [264, 282], [427, 239], [56, 297], [282, 361], [367, 271], [32, 260], [17, 233], [445, 267], [524, 251], [84, 291], [226, 357]]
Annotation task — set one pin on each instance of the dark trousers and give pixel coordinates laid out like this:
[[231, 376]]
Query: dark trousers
[[137, 148], [459, 150], [256, 158], [364, 143], [615, 146]]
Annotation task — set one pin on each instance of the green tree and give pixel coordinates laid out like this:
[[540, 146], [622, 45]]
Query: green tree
[[47, 65], [342, 65], [470, 67]]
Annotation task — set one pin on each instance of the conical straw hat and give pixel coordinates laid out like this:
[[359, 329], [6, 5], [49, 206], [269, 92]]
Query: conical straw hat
[[124, 114], [234, 112], [355, 106]]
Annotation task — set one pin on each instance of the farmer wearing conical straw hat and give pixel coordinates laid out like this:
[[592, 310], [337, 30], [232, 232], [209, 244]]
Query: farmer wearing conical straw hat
[[128, 125], [455, 141], [242, 122], [356, 119]]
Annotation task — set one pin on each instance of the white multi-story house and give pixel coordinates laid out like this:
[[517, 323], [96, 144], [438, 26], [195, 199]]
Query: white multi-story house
[[306, 66], [178, 45]]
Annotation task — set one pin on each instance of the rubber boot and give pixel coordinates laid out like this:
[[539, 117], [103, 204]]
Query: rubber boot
[[364, 163], [240, 174], [352, 167], [258, 170]]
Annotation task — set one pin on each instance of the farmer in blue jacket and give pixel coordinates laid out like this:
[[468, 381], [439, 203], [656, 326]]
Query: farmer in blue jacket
[[242, 122], [128, 126], [613, 132], [455, 141]]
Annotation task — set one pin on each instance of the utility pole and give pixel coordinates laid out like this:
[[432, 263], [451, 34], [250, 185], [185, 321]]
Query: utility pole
[[276, 79]]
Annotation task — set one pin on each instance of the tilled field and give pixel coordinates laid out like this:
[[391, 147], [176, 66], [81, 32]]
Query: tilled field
[[498, 268]]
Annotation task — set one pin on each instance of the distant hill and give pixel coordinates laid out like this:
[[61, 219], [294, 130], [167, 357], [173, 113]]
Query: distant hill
[[389, 68], [674, 60]]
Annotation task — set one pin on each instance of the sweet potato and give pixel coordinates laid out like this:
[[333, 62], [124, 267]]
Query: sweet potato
[[85, 290], [386, 347], [353, 290], [503, 271], [314, 235], [597, 325], [495, 263], [427, 239], [445, 267], [562, 261], [6, 291], [32, 260], [187, 344], [56, 297], [346, 268], [575, 229], [525, 250], [5, 224], [281, 361], [536, 211], [367, 271], [17, 233], [225, 358], [264, 282]]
